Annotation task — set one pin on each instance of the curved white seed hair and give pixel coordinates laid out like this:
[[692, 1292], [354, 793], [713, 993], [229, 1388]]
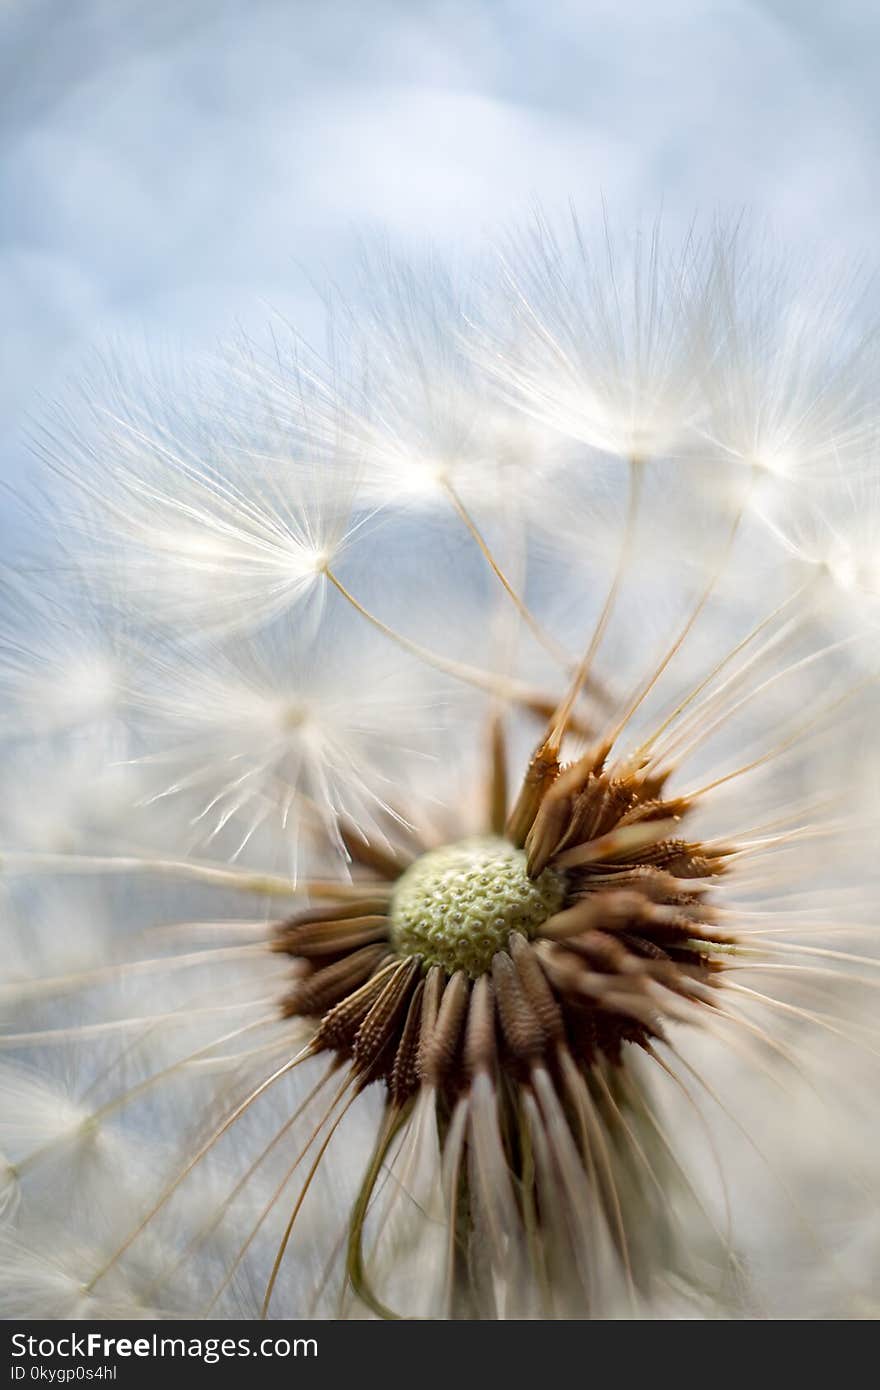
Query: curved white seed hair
[[206, 505], [790, 393], [279, 734], [418, 413], [46, 1280], [39, 1119], [69, 796], [35, 1112], [603, 345], [833, 528], [64, 662]]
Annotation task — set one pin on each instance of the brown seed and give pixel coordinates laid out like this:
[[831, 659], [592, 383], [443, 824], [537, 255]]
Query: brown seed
[[404, 1079], [441, 1044], [479, 1044], [339, 1027], [536, 988], [386, 1016], [326, 987], [523, 1032]]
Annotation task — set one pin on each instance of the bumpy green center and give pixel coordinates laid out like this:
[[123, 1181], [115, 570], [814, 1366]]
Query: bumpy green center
[[456, 906]]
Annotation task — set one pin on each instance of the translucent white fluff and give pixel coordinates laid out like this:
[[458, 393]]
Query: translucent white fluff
[[284, 735], [418, 413], [605, 341], [46, 1282], [291, 625], [219, 510], [64, 661], [34, 1112], [832, 528]]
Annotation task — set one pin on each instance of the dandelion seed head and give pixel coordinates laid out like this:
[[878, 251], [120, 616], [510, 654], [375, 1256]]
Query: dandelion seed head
[[438, 861], [456, 906]]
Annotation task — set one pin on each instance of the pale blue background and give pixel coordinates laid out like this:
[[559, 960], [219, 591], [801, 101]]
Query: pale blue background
[[171, 167]]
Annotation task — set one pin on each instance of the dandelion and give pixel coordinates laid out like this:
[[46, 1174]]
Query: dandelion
[[482, 922]]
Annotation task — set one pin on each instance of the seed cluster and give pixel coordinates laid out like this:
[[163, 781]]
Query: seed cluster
[[456, 906], [583, 931], [511, 973]]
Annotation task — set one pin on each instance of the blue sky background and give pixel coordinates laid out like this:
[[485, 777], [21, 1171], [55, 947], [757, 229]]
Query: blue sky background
[[169, 168]]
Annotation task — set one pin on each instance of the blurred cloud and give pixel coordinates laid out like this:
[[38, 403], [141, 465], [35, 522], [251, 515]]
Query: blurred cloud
[[171, 169]]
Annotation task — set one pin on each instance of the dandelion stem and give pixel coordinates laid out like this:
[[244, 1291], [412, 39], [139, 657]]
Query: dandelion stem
[[243, 880], [472, 675], [206, 1231], [795, 666], [750, 636], [26, 861], [682, 635], [560, 719], [276, 1267], [394, 1118], [552, 648], [496, 779], [218, 1133], [782, 747]]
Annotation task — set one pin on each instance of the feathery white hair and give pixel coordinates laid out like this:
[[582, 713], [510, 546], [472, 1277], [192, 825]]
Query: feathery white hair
[[299, 623]]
